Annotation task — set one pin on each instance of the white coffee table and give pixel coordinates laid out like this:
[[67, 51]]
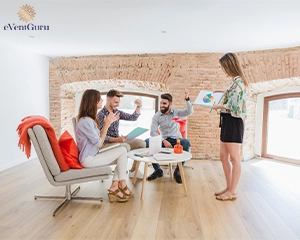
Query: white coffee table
[[179, 158]]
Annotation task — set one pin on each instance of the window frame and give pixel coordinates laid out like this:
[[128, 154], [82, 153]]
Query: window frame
[[264, 153], [156, 97]]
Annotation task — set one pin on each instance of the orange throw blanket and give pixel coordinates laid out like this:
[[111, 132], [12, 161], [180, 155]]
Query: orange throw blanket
[[25, 144]]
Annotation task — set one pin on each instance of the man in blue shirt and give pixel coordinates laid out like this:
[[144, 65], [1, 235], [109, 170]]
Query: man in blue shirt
[[162, 122], [112, 102]]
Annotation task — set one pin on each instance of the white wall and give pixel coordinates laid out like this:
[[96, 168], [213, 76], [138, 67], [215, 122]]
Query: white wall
[[24, 91]]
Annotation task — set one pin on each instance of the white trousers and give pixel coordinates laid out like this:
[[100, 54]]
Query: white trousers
[[113, 156]]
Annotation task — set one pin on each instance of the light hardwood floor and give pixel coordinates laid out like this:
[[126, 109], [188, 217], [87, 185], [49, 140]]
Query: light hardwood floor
[[267, 206]]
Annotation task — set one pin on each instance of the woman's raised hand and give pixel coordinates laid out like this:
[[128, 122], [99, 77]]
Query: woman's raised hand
[[111, 117]]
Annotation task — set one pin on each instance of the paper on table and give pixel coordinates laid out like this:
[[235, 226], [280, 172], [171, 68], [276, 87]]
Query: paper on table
[[208, 98], [136, 132], [162, 156]]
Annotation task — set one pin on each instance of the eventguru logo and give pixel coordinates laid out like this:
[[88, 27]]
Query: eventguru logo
[[26, 14]]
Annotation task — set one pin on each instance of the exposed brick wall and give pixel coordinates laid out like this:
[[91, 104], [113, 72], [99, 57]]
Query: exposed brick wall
[[170, 73]]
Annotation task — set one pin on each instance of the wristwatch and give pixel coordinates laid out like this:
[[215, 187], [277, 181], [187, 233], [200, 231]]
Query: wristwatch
[[187, 99]]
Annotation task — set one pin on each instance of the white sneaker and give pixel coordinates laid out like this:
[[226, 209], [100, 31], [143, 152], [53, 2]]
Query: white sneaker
[[138, 176]]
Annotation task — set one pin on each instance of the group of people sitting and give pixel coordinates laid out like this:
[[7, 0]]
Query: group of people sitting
[[99, 129], [96, 130]]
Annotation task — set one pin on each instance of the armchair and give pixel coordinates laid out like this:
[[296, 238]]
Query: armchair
[[56, 177]]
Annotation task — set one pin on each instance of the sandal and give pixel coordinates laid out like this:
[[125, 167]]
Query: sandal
[[230, 197], [221, 192], [124, 189], [114, 197]]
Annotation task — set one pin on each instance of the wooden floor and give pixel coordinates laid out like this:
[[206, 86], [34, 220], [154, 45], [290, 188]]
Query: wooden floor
[[267, 206]]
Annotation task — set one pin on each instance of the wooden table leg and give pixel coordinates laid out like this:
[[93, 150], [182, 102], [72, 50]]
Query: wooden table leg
[[182, 178], [144, 179], [137, 165], [171, 172]]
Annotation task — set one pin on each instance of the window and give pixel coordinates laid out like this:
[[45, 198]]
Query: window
[[149, 108], [281, 127]]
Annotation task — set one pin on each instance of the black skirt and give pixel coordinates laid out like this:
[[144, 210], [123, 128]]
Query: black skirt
[[232, 129]]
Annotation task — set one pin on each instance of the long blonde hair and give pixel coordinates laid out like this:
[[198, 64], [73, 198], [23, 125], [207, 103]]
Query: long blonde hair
[[231, 65], [88, 105]]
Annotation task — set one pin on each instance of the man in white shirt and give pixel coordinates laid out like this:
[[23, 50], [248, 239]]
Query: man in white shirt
[[162, 122]]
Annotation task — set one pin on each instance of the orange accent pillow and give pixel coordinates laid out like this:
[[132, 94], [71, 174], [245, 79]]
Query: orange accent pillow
[[69, 149]]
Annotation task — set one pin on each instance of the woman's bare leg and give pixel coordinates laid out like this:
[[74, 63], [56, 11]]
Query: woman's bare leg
[[227, 166], [234, 152], [114, 185]]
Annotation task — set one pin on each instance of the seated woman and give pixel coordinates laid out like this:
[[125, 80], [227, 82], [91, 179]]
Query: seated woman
[[90, 139]]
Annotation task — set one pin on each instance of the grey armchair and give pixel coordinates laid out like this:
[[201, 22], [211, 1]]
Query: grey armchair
[[56, 177]]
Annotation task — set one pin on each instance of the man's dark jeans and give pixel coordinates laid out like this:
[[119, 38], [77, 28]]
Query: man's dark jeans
[[184, 142]]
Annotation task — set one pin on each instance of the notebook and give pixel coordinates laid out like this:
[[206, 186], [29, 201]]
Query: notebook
[[163, 156], [136, 132]]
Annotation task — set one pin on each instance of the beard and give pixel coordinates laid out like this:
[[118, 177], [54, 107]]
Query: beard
[[112, 107], [164, 109]]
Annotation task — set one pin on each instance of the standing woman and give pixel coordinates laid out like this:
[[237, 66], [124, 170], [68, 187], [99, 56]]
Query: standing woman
[[90, 139], [232, 115]]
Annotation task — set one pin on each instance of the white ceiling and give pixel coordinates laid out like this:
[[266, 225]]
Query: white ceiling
[[86, 27]]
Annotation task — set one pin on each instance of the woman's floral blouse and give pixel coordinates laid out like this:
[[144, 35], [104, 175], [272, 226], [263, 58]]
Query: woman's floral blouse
[[235, 98]]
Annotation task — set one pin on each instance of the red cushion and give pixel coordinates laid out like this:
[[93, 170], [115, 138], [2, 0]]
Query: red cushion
[[182, 128], [69, 150], [182, 123]]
